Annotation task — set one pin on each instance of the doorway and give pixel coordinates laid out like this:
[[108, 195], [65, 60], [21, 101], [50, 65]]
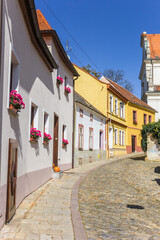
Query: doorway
[[55, 140], [133, 143], [12, 179]]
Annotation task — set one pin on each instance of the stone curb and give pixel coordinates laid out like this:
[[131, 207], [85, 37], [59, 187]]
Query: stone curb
[[78, 227]]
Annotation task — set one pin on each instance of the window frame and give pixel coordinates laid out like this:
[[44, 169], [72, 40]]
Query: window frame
[[91, 148], [111, 103], [80, 126], [144, 118], [116, 136]]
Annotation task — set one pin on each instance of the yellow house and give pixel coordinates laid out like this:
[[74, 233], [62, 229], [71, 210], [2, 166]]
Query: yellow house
[[138, 113]]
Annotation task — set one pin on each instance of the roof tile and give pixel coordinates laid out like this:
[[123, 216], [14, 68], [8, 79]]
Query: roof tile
[[43, 24], [154, 41]]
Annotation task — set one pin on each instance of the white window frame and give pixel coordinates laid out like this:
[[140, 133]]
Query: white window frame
[[90, 139], [64, 131], [36, 118], [82, 136], [120, 137], [111, 103], [13, 58], [116, 106], [116, 136], [123, 138]]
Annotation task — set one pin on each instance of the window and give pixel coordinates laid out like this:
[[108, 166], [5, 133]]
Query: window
[[122, 110], [64, 132], [101, 122], [46, 123], [149, 119], [115, 137], [135, 117], [81, 112], [14, 73], [58, 71], [91, 117], [66, 81], [123, 142], [101, 140], [34, 116], [90, 138], [145, 119], [116, 106], [111, 103], [80, 137], [120, 137]]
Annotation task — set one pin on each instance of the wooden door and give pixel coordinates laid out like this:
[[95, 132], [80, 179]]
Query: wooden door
[[133, 143], [55, 140], [12, 179]]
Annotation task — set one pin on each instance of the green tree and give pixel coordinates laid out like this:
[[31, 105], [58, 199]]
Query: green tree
[[92, 71]]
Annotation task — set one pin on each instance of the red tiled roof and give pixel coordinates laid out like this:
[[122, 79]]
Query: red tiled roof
[[154, 42], [43, 24], [131, 98]]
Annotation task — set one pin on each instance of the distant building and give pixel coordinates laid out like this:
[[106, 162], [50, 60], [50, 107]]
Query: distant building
[[150, 71], [90, 126]]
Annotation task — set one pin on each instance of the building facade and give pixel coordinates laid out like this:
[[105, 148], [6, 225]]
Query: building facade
[[150, 71], [90, 135], [30, 67]]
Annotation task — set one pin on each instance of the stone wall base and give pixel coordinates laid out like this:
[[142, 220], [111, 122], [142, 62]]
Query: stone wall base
[[86, 156]]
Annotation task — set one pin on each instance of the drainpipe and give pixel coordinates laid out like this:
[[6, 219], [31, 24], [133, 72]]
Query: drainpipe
[[1, 78], [73, 133]]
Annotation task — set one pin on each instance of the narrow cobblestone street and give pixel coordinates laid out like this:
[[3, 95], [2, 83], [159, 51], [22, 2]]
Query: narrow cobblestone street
[[122, 201]]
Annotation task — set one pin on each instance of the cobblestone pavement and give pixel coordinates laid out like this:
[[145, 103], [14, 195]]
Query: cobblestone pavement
[[122, 201], [45, 214]]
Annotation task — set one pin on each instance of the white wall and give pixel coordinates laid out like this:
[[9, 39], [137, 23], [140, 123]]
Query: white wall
[[37, 84], [95, 124]]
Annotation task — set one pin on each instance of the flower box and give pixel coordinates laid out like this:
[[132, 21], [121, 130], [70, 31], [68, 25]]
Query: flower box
[[59, 81], [47, 138], [34, 135], [16, 101], [67, 90], [12, 109], [64, 143], [135, 122]]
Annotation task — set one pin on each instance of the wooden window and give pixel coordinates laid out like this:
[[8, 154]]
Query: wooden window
[[81, 112], [80, 137], [150, 119], [65, 81], [135, 117], [91, 117], [116, 136], [122, 110], [145, 119], [101, 140], [90, 138]]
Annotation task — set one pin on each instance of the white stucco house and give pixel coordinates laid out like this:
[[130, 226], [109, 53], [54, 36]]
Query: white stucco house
[[90, 135], [32, 57], [150, 71]]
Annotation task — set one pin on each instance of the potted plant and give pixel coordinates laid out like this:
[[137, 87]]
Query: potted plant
[[59, 81], [16, 102], [64, 142], [34, 135], [135, 122], [67, 90], [47, 138]]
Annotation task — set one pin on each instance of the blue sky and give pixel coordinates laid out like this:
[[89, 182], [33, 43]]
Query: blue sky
[[107, 30]]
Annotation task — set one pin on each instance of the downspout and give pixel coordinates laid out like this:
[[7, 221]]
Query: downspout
[[73, 133], [1, 78]]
